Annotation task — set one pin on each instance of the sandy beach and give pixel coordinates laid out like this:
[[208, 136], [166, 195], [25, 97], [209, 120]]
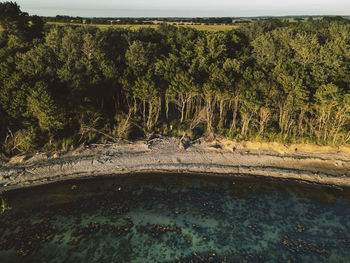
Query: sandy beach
[[173, 155]]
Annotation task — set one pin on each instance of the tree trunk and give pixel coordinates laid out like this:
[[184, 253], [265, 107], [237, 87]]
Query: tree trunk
[[209, 107], [301, 130], [234, 117], [246, 118], [150, 113], [188, 107], [166, 106], [183, 105], [221, 121], [264, 116], [158, 110], [135, 106]]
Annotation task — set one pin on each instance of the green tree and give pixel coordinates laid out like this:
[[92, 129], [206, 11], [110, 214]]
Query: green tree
[[139, 56], [13, 20], [42, 106]]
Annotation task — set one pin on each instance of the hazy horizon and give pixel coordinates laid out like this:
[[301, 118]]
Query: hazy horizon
[[183, 8]]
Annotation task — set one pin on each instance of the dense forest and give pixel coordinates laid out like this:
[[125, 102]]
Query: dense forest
[[269, 80]]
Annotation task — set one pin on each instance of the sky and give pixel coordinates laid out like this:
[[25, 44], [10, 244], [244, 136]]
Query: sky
[[184, 8]]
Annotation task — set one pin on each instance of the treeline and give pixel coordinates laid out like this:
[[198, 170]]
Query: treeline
[[194, 20], [98, 20], [130, 20], [269, 80]]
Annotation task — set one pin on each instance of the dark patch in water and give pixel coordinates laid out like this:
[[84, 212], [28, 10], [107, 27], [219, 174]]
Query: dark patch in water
[[176, 218]]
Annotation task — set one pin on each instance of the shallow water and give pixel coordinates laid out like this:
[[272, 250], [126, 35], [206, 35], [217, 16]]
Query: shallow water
[[176, 218]]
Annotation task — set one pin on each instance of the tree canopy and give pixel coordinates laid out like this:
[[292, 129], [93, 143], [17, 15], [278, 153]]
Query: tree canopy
[[267, 80]]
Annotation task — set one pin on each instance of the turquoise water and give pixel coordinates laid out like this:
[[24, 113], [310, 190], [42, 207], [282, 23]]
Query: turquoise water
[[176, 218]]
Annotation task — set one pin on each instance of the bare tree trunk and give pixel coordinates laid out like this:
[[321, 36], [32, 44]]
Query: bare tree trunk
[[246, 118], [326, 125], [222, 114], [234, 117], [144, 110], [264, 116], [198, 104], [301, 130], [188, 108], [150, 113], [209, 108], [166, 106], [182, 111], [340, 120], [284, 116], [159, 106], [281, 118], [135, 106]]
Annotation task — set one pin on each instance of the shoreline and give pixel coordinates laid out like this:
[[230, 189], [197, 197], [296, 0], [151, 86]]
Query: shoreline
[[169, 155]]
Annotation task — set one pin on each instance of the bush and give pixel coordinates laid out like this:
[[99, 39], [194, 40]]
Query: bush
[[124, 126], [23, 141]]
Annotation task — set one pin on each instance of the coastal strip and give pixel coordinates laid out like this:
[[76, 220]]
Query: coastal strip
[[171, 155]]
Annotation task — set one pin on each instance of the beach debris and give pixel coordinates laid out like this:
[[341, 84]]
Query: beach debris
[[215, 146]]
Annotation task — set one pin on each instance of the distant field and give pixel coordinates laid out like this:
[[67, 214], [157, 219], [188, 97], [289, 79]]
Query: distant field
[[136, 27], [212, 27]]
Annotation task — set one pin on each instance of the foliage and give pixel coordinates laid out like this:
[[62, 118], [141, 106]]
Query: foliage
[[270, 79], [22, 141]]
